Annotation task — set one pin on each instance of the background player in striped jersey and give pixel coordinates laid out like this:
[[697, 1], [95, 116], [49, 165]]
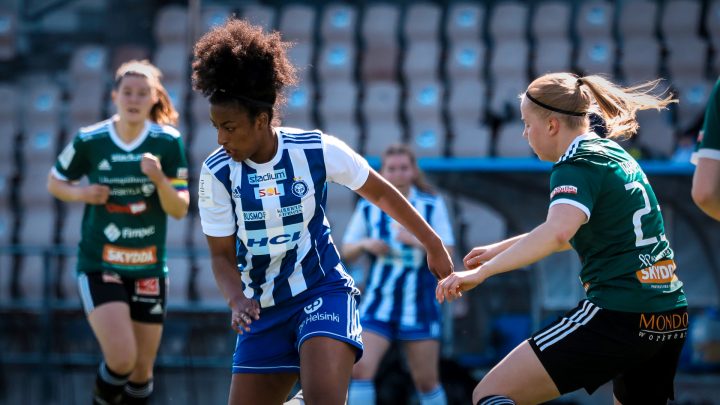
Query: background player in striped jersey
[[398, 301], [262, 203], [632, 326], [706, 179], [136, 167]]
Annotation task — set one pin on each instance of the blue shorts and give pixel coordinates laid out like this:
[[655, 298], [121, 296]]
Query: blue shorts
[[273, 343], [395, 331]]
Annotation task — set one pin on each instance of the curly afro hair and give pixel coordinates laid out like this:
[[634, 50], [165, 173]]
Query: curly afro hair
[[238, 62]]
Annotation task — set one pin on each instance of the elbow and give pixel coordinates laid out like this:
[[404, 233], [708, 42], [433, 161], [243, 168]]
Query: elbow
[[561, 237], [703, 196], [180, 213]]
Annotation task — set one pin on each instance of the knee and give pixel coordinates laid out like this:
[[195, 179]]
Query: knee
[[120, 364], [426, 383]]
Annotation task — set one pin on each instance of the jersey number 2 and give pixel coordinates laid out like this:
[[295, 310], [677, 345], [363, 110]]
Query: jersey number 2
[[637, 215]]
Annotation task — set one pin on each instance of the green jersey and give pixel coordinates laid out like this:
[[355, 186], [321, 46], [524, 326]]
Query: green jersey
[[127, 234], [708, 145], [627, 263]]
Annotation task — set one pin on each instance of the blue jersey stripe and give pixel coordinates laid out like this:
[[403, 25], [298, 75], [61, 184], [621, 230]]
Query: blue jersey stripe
[[289, 141], [301, 134], [218, 162], [385, 270]]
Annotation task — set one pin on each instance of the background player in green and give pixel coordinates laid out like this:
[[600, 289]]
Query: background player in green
[[706, 180], [137, 173], [632, 325]]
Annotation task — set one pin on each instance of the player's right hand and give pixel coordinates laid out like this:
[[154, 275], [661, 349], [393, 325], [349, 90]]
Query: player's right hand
[[244, 312], [478, 256], [96, 194]]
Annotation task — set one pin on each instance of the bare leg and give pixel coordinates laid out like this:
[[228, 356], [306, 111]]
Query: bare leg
[[325, 368], [519, 376]]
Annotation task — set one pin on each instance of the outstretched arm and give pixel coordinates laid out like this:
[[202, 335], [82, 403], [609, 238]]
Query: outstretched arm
[[562, 223]]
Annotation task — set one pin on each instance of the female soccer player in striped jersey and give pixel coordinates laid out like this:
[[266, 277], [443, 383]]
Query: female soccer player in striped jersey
[[136, 167], [706, 179], [632, 326], [262, 204], [398, 301]]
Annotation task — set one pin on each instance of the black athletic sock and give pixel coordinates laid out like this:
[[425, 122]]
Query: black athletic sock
[[108, 386], [137, 393]]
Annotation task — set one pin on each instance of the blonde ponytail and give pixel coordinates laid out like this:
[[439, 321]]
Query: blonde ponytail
[[618, 105]]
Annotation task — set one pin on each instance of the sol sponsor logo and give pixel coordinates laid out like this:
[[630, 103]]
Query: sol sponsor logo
[[662, 272], [563, 190], [125, 256], [274, 191]]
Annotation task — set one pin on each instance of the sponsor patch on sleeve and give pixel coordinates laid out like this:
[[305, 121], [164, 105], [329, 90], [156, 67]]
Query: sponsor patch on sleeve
[[205, 194], [563, 190]]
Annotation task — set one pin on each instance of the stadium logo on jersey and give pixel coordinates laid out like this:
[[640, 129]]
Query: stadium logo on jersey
[[275, 240], [274, 191], [129, 257], [250, 216], [256, 179], [299, 188], [309, 309], [112, 232], [104, 165], [563, 190]]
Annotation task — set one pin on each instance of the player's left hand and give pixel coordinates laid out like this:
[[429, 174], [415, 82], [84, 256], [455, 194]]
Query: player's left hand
[[452, 286], [151, 167]]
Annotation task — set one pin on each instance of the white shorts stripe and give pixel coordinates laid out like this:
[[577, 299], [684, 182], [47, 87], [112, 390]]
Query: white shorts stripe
[[562, 323], [577, 325], [85, 296], [577, 319]]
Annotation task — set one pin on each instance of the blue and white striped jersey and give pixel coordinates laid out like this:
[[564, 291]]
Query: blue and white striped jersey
[[399, 285], [277, 211]]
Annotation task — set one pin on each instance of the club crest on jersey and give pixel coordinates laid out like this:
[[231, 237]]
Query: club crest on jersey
[[309, 309], [299, 187]]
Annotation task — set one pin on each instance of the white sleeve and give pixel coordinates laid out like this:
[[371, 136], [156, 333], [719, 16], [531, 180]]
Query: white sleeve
[[356, 229], [215, 206], [441, 222], [343, 165]]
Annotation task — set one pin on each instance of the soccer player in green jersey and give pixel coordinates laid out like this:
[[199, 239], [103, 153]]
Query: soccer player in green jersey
[[137, 173], [706, 180], [631, 327]]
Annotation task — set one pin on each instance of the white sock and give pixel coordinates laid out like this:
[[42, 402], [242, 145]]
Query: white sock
[[434, 397], [362, 392]]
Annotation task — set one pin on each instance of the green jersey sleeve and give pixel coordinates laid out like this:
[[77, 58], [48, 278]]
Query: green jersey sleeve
[[175, 166], [708, 145], [575, 184], [72, 163]]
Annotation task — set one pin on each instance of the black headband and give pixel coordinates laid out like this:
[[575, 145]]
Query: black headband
[[551, 108], [253, 101]]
